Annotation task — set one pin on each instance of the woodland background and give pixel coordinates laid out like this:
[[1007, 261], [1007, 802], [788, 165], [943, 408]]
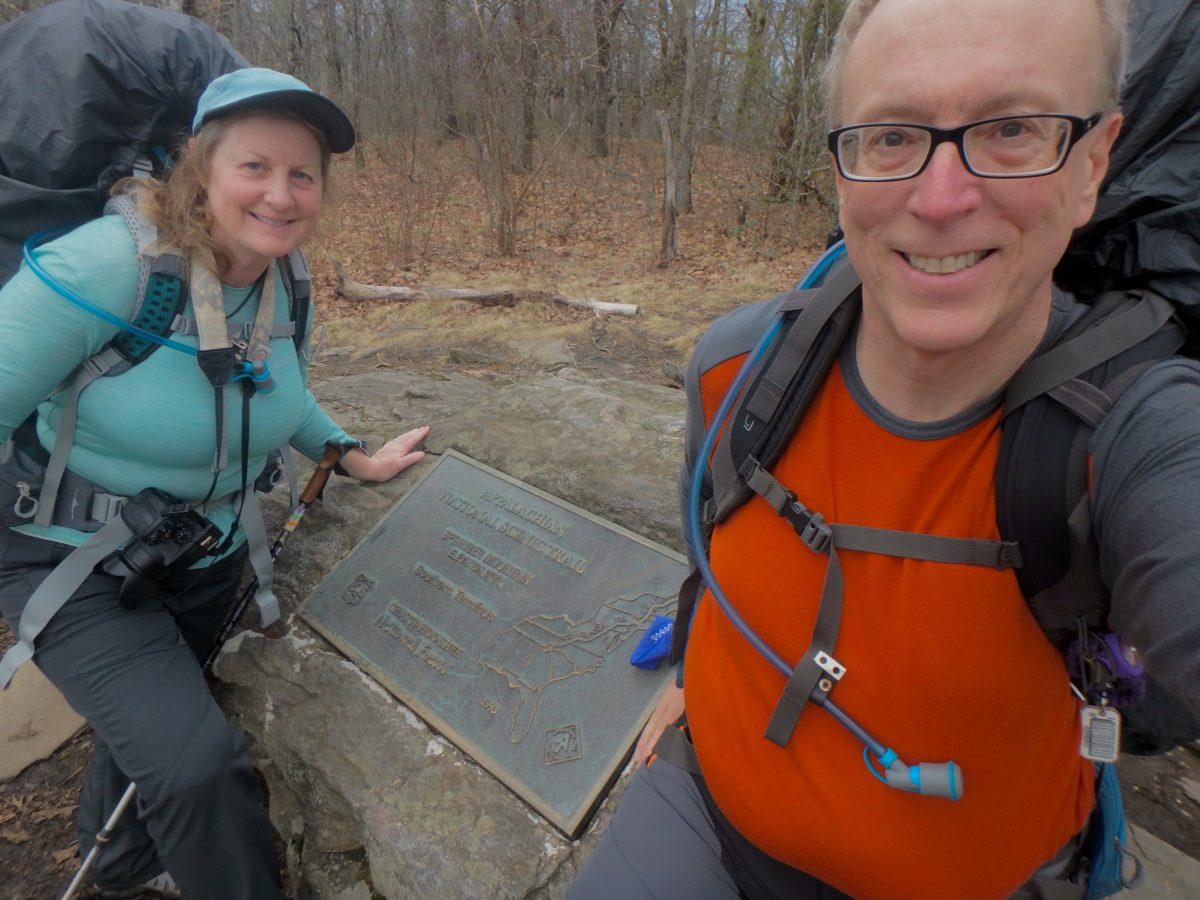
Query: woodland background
[[527, 115]]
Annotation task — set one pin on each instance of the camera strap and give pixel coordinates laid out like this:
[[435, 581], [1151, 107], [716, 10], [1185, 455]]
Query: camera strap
[[223, 359], [54, 592], [219, 358]]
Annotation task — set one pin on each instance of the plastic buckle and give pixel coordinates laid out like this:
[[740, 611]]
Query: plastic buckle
[[748, 468], [105, 507], [811, 527], [1010, 555]]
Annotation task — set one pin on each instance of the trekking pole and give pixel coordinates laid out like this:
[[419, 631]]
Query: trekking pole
[[312, 490]]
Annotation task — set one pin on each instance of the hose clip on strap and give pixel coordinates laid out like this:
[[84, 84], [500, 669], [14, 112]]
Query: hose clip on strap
[[833, 670]]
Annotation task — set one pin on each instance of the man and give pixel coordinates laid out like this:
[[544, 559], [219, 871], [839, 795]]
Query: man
[[954, 220]]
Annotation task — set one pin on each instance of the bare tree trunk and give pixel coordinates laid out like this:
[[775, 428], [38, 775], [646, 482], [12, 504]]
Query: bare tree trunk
[[527, 69], [335, 70], [666, 252], [447, 117], [790, 137], [686, 150], [750, 89], [296, 51], [604, 20], [359, 61]]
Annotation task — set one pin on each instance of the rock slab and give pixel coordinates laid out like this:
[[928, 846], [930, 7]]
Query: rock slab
[[35, 721], [369, 801]]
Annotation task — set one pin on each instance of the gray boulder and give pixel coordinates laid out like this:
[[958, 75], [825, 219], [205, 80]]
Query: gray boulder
[[369, 801]]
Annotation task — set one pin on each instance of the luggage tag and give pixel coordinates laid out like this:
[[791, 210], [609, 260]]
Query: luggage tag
[[1100, 729], [1100, 735]]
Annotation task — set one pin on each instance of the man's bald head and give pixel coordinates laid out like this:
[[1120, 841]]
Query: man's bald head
[[1108, 71]]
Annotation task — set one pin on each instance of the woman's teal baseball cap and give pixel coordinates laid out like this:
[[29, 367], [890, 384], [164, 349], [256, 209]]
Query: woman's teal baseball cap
[[271, 91]]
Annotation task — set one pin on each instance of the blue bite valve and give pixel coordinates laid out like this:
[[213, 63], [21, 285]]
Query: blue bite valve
[[930, 779], [259, 375]]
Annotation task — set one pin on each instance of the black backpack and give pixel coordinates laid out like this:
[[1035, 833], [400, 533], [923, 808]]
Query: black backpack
[[87, 89]]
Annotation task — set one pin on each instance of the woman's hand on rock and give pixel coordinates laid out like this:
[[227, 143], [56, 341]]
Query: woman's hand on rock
[[389, 460]]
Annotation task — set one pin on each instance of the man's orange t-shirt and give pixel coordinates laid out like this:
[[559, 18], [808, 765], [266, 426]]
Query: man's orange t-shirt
[[944, 662]]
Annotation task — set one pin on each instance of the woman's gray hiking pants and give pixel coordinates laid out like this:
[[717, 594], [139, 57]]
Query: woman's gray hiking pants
[[134, 675]]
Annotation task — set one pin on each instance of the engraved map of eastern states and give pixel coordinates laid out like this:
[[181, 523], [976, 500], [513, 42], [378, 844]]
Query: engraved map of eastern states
[[505, 617], [541, 650]]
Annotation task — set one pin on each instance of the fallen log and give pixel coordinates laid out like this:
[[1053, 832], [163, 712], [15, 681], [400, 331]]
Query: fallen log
[[600, 306], [358, 292]]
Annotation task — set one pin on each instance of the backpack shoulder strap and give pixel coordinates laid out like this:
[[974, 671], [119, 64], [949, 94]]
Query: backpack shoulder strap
[[1053, 406], [162, 293], [298, 282], [162, 283], [780, 393]]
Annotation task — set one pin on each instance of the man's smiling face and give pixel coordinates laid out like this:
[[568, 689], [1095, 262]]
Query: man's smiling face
[[950, 261]]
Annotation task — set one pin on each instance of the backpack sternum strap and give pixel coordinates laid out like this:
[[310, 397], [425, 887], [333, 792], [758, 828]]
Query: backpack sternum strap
[[817, 534], [815, 675], [928, 547]]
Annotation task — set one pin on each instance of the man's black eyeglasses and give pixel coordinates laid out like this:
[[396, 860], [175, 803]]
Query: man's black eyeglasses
[[1001, 147]]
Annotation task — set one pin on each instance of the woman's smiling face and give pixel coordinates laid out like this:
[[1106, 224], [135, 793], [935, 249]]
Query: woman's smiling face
[[264, 189]]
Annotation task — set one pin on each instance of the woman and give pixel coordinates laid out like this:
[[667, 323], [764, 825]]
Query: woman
[[247, 191]]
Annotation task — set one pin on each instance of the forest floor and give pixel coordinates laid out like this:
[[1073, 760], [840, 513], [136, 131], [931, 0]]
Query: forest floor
[[589, 229]]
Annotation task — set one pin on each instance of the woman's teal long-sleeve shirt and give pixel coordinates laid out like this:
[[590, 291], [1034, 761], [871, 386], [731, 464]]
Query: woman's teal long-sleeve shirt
[[154, 425]]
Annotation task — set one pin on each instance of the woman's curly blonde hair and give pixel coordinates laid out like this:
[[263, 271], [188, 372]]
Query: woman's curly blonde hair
[[178, 205]]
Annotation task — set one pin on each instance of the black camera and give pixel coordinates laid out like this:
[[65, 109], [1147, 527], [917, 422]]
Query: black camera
[[168, 536]]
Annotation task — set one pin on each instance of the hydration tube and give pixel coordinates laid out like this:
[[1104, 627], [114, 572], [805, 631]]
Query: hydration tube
[[933, 779], [260, 378], [63, 291]]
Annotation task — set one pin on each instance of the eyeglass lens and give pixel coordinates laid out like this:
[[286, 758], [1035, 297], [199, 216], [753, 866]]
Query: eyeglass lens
[[1008, 147]]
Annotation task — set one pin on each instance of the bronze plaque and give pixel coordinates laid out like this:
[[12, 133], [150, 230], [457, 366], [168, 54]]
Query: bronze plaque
[[505, 617]]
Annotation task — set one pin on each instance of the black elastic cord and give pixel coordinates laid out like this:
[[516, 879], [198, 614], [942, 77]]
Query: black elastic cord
[[248, 391], [255, 290]]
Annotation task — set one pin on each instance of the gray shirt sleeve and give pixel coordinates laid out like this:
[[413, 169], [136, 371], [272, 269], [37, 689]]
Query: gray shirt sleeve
[[1146, 509]]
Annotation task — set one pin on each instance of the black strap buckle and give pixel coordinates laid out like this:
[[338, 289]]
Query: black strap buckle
[[809, 525]]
